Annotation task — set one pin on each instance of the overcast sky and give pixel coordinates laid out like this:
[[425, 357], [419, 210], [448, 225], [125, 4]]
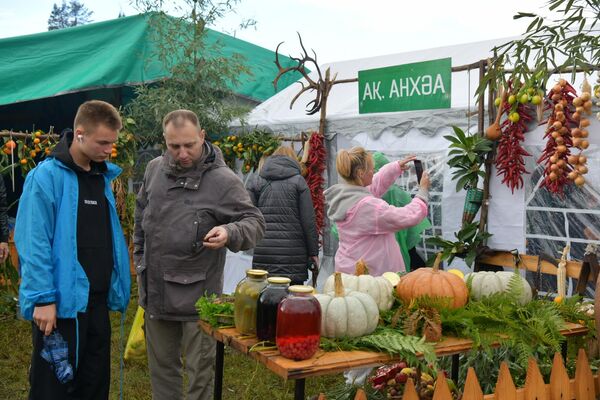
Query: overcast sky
[[335, 29]]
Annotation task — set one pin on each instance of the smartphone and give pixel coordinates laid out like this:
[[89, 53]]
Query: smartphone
[[418, 170]]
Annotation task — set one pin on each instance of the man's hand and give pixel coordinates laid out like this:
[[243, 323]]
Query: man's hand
[[45, 318], [216, 238], [3, 251]]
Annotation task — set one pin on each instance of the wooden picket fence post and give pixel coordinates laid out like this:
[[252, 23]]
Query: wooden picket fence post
[[583, 386]]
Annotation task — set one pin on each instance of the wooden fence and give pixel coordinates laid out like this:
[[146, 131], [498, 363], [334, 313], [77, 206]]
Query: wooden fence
[[583, 386]]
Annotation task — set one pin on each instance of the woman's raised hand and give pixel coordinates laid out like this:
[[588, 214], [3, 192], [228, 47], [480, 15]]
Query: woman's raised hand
[[403, 163], [425, 183]]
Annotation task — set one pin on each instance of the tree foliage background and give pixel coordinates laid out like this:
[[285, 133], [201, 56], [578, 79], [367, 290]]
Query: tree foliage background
[[69, 14], [201, 78], [565, 38]]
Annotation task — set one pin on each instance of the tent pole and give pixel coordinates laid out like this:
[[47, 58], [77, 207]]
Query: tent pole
[[489, 157]]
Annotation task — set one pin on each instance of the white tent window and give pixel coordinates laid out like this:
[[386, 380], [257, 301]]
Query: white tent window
[[552, 221]]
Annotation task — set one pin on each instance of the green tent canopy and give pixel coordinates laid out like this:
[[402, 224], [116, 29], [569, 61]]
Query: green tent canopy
[[112, 54]]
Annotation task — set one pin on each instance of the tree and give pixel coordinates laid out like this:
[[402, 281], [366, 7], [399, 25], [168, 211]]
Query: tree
[[566, 40], [59, 16], [69, 14], [201, 77]]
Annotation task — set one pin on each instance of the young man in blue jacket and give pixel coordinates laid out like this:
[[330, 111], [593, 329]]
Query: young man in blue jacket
[[72, 254]]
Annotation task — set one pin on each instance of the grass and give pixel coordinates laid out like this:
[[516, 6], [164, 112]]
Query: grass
[[244, 378]]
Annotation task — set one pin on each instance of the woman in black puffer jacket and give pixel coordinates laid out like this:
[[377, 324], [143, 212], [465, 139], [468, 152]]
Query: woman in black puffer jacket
[[290, 240]]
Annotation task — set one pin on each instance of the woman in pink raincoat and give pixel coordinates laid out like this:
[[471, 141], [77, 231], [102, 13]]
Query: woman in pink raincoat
[[366, 223]]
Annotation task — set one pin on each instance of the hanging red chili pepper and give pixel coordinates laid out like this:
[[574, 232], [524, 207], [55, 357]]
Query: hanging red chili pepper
[[559, 132], [316, 165], [509, 158]]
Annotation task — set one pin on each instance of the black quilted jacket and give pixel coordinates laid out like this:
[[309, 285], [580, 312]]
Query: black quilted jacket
[[283, 197]]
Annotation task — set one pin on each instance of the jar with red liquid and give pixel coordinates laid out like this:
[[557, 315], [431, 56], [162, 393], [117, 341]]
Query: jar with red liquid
[[298, 324], [266, 310], [246, 298]]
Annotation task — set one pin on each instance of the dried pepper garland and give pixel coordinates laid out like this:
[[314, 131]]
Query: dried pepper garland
[[509, 159], [316, 166], [562, 134]]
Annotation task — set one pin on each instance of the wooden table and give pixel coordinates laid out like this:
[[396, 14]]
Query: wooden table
[[325, 363]]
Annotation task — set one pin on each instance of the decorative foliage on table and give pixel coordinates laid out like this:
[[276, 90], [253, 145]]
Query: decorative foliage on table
[[487, 360], [469, 243], [249, 148], [426, 320], [499, 318], [385, 340], [216, 310]]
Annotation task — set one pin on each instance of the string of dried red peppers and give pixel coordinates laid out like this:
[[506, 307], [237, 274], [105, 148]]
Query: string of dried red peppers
[[316, 167]]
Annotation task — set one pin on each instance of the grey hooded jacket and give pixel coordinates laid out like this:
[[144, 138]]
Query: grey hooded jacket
[[175, 209], [282, 195]]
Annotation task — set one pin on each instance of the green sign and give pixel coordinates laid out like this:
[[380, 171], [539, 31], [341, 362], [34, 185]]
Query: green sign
[[418, 86]]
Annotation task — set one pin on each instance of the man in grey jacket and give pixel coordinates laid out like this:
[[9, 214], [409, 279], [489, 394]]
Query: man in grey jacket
[[190, 208]]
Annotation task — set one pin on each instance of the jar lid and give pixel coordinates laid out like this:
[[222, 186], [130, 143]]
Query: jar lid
[[279, 280], [256, 273], [301, 289]]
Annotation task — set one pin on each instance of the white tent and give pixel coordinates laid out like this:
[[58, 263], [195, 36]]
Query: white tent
[[514, 219]]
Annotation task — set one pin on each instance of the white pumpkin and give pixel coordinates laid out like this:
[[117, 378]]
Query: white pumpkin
[[378, 287], [346, 313], [486, 283]]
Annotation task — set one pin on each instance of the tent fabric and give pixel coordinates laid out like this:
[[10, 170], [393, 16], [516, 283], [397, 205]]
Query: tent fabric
[[113, 53], [342, 105], [528, 220]]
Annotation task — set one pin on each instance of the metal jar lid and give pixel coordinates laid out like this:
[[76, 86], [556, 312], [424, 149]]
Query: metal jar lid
[[300, 289], [256, 273], [280, 280]]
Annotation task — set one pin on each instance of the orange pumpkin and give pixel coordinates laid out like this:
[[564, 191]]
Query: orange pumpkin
[[433, 283]]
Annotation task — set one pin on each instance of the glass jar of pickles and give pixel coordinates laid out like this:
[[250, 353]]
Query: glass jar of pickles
[[246, 298], [266, 311], [298, 324]]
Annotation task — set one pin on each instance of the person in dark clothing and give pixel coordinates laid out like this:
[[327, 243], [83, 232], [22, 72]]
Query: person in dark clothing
[[291, 239], [73, 257], [3, 223]]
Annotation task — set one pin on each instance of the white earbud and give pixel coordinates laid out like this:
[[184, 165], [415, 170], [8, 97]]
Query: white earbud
[[80, 138]]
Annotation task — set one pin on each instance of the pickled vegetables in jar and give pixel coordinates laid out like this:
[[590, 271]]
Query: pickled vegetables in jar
[[246, 298]]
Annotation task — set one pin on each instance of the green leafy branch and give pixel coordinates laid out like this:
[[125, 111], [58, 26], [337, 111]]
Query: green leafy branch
[[467, 155], [469, 241], [386, 340], [570, 34]]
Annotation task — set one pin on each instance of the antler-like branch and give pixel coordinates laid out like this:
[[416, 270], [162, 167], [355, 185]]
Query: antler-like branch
[[320, 85]]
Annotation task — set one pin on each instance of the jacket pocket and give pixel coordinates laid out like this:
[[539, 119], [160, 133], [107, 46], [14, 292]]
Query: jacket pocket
[[204, 221], [142, 282], [182, 288]]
